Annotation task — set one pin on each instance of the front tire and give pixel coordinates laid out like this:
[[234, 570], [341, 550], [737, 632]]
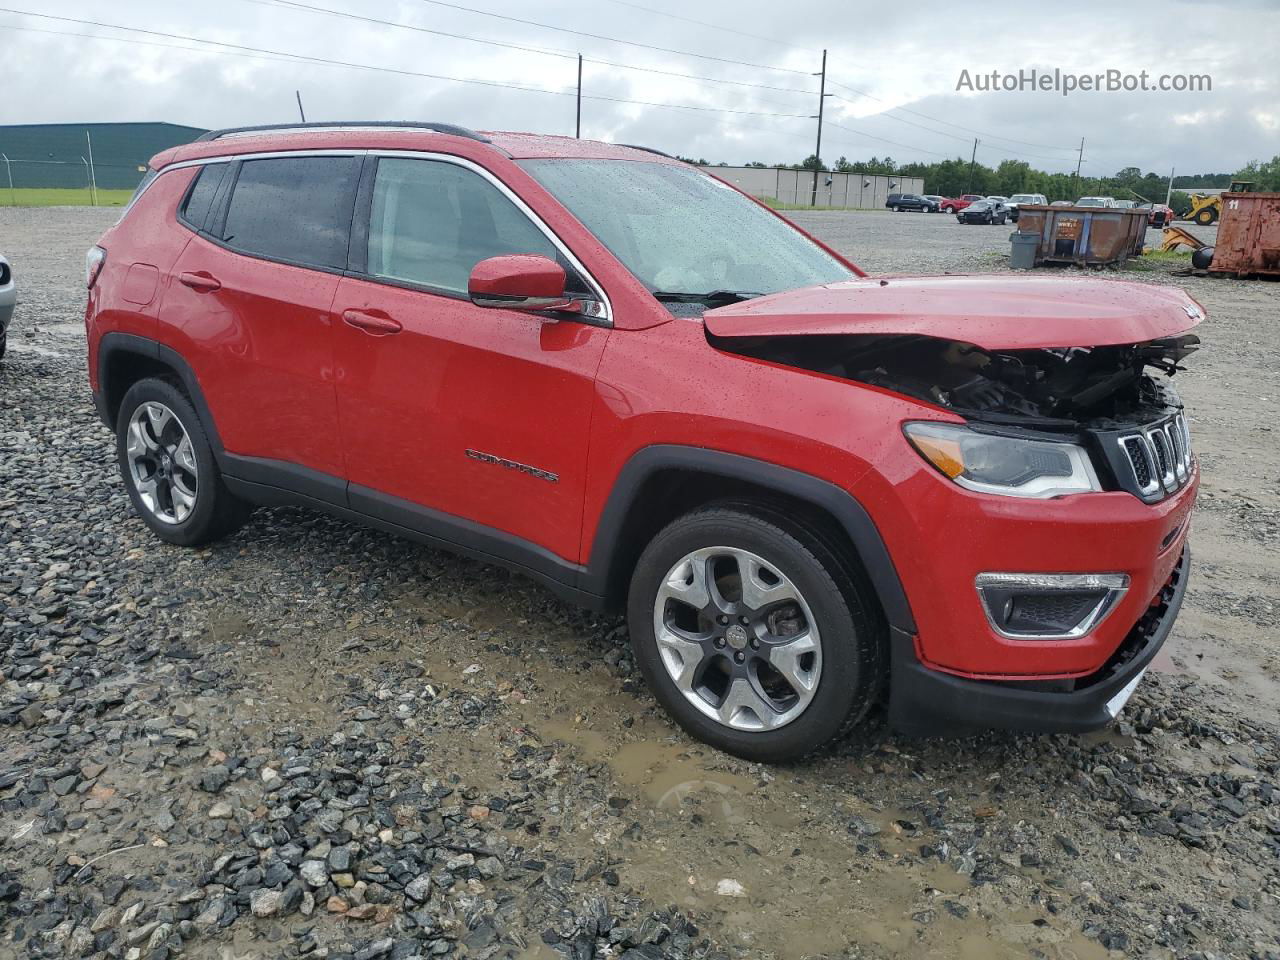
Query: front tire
[[755, 636], [169, 469]]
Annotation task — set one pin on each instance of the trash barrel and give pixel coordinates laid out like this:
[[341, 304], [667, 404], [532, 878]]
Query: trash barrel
[[1022, 255]]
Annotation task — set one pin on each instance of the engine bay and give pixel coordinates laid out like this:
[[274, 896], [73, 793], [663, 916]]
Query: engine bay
[[1068, 388]]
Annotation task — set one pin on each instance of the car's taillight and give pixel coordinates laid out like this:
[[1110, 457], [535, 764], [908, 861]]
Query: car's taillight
[[93, 261]]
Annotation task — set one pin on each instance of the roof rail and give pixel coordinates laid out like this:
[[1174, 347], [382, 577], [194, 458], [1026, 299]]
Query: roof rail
[[449, 128], [636, 146]]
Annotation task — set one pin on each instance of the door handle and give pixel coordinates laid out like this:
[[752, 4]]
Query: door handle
[[371, 323], [200, 281]]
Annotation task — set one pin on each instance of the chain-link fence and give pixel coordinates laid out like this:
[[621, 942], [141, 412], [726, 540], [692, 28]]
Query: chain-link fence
[[32, 182]]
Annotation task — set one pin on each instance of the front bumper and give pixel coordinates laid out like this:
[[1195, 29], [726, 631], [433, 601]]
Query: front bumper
[[925, 702]]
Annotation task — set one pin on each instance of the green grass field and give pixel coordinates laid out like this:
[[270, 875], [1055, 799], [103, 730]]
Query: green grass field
[[61, 197]]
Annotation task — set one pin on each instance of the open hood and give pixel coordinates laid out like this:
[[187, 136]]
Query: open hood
[[992, 312]]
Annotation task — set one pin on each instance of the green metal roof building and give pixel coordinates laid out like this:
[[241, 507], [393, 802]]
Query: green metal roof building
[[57, 154]]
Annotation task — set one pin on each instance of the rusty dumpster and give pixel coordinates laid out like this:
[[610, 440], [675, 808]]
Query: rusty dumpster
[[1088, 236], [1248, 235]]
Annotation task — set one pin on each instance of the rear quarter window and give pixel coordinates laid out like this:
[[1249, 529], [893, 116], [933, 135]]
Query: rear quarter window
[[200, 196], [295, 209]]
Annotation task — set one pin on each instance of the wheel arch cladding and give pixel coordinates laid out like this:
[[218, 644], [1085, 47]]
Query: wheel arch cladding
[[125, 358], [662, 482]]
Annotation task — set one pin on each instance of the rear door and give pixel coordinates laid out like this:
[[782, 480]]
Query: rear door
[[476, 413], [248, 305]]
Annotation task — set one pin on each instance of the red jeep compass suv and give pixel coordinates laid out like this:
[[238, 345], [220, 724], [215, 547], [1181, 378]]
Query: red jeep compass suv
[[809, 489]]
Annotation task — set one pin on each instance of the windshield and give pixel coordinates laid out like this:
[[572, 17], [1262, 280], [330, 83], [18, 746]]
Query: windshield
[[682, 232]]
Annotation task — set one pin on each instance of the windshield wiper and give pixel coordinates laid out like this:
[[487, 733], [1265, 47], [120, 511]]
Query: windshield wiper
[[712, 296]]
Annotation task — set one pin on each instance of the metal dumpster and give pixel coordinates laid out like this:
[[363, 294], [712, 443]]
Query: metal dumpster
[[1248, 235], [1089, 236]]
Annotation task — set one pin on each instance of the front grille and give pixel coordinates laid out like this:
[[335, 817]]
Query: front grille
[[1153, 461], [1137, 451]]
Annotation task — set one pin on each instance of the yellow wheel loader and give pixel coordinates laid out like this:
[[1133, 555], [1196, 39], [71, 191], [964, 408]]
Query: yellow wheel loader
[[1206, 208]]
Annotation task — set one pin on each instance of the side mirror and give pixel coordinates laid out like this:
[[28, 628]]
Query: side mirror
[[520, 282]]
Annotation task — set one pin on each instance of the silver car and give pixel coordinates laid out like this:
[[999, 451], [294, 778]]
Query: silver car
[[8, 297]]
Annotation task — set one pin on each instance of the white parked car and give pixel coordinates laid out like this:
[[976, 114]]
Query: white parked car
[[1107, 202], [8, 298]]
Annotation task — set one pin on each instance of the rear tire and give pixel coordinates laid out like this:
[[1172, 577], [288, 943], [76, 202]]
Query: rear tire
[[169, 469], [1206, 216], [798, 659]]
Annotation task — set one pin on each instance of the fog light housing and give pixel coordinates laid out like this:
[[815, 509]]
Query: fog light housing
[[1049, 606]]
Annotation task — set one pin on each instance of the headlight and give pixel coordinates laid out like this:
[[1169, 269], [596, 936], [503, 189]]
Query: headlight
[[1010, 466]]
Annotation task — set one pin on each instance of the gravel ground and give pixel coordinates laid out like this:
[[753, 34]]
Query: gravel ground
[[316, 740]]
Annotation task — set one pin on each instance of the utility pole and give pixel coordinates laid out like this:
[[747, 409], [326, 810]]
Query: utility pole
[[972, 158], [577, 125], [817, 152], [93, 177], [298, 94], [8, 169], [1079, 160], [1168, 194]]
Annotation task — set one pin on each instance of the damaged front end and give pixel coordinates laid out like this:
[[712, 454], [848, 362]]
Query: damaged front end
[[1047, 389], [1115, 401], [1054, 362]]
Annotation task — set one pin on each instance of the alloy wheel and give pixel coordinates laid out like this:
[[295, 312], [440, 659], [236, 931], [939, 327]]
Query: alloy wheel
[[738, 639], [162, 462]]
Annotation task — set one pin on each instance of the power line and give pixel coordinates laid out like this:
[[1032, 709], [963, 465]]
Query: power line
[[281, 58], [559, 52], [943, 133], [713, 26], [600, 36], [395, 70], [854, 90], [992, 136], [905, 146]]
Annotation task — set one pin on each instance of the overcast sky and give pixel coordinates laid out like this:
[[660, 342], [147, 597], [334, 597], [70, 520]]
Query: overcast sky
[[893, 67]]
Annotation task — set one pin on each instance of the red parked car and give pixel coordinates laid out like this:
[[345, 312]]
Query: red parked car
[[956, 204], [809, 489]]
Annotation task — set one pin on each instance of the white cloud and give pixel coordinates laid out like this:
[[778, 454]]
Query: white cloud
[[907, 58]]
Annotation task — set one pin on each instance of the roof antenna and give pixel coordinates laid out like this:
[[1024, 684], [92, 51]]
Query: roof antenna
[[301, 113]]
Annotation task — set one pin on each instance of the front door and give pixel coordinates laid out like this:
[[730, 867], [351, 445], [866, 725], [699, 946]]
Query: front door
[[451, 412]]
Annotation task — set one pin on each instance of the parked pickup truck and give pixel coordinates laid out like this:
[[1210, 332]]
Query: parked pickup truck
[[809, 490], [956, 204]]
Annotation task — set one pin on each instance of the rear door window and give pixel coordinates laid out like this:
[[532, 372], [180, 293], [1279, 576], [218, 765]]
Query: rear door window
[[295, 209]]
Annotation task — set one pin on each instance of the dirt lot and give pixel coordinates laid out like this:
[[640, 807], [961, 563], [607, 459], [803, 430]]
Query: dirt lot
[[315, 740]]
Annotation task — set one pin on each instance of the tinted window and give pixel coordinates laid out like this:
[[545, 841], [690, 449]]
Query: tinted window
[[431, 222], [200, 198], [294, 208]]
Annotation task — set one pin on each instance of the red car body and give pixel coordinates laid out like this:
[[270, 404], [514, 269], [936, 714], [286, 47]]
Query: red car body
[[315, 394], [956, 204]]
